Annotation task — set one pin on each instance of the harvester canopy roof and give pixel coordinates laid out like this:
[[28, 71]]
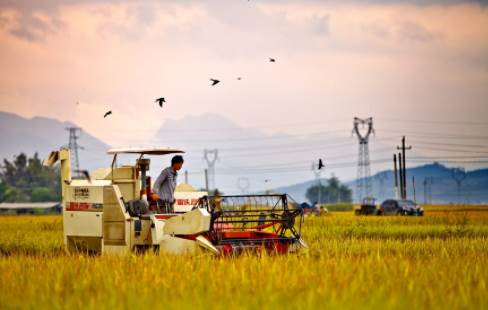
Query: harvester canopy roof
[[144, 150]]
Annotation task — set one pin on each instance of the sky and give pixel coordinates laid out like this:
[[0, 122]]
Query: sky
[[424, 63]]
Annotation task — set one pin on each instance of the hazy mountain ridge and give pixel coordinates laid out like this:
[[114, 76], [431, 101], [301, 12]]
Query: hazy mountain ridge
[[243, 152], [42, 135], [440, 186]]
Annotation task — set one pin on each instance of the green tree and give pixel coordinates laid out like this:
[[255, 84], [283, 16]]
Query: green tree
[[43, 194], [24, 177], [3, 191], [13, 195], [333, 192]]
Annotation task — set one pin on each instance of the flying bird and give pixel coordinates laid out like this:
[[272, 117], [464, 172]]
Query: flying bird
[[214, 82], [321, 164], [85, 173], [160, 101], [107, 114], [272, 60]]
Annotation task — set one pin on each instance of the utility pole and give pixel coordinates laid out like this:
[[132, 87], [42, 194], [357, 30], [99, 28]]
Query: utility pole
[[396, 175], [400, 175], [363, 181], [243, 184], [211, 156], [74, 147], [186, 176], [403, 148], [206, 181]]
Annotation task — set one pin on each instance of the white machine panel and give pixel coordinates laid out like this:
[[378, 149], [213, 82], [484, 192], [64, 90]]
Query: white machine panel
[[184, 201]]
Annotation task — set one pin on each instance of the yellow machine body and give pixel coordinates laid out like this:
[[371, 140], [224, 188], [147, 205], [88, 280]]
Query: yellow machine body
[[96, 218]]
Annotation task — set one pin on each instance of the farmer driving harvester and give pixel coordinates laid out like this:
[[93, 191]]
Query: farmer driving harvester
[[164, 187], [114, 211]]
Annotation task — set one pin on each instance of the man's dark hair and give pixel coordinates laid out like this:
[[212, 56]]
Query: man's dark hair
[[176, 160]]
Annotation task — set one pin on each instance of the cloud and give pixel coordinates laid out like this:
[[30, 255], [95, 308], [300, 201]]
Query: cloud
[[34, 26], [331, 60], [321, 24], [414, 31], [143, 14]]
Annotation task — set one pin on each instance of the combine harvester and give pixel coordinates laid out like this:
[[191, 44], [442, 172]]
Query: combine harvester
[[112, 211]]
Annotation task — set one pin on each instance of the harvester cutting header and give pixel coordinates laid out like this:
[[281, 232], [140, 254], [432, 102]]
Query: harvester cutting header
[[114, 210]]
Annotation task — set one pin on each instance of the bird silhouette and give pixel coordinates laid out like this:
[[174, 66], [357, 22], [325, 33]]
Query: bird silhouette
[[321, 164], [239, 78], [160, 101], [107, 114], [214, 81], [85, 173], [272, 60]]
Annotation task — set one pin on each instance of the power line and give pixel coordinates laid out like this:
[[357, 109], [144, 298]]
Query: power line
[[451, 150], [438, 135], [452, 122], [447, 157], [453, 161], [238, 128], [423, 142], [304, 167], [264, 136]]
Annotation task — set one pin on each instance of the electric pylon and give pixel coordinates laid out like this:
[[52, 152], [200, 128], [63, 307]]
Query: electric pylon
[[243, 184], [363, 182], [73, 147], [211, 156], [459, 174]]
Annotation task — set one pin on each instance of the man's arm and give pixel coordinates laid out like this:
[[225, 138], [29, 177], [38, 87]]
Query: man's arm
[[159, 181]]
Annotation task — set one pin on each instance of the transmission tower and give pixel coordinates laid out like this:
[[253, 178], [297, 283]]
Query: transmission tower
[[243, 184], [74, 147], [211, 156], [363, 182], [459, 174]]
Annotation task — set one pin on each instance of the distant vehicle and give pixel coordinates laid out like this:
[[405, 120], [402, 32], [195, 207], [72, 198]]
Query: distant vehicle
[[368, 207], [400, 207], [309, 209]]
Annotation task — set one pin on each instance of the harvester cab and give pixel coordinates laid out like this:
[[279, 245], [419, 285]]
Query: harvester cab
[[113, 210]]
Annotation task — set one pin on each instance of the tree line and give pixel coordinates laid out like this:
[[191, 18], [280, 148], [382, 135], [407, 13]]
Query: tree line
[[333, 192], [25, 179]]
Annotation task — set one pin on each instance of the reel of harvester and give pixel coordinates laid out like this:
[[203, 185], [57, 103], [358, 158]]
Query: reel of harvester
[[253, 222]]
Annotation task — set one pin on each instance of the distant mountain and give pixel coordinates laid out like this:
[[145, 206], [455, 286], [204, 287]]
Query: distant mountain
[[247, 156], [433, 183], [42, 135], [252, 155]]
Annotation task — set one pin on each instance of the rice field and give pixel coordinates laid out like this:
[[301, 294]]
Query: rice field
[[437, 261]]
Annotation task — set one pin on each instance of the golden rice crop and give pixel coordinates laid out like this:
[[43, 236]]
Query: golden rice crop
[[432, 262]]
